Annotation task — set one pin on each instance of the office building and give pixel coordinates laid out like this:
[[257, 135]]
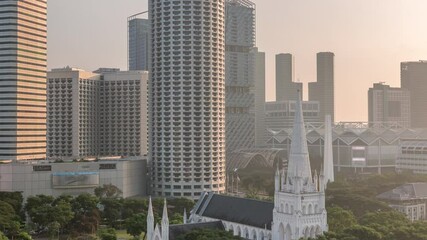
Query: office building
[[23, 51], [53, 178], [387, 104], [239, 74], [413, 77], [92, 114], [138, 43], [286, 88], [187, 97], [323, 89]]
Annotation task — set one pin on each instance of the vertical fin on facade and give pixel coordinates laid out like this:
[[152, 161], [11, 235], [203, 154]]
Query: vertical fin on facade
[[328, 161]]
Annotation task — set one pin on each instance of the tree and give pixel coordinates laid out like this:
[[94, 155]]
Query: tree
[[15, 199], [7, 215], [108, 191], [45, 210], [208, 234], [112, 210], [2, 236], [107, 234], [53, 229], [340, 219], [133, 206], [362, 233], [136, 225], [86, 214]]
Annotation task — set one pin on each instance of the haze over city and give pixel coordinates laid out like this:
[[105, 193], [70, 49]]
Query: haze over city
[[369, 38]]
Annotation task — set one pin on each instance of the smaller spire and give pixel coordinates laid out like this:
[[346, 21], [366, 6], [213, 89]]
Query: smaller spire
[[277, 179], [150, 208], [185, 216], [165, 211]]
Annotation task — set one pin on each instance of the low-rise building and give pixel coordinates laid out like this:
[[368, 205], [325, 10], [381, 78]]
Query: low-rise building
[[74, 178], [409, 199]]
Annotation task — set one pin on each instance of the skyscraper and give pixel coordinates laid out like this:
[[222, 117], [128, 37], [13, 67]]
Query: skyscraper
[[23, 47], [323, 89], [387, 104], [187, 97], [240, 62], [286, 88], [413, 76], [138, 43]]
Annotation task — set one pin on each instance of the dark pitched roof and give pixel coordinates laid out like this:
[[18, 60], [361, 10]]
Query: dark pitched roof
[[177, 230], [406, 192], [238, 210]]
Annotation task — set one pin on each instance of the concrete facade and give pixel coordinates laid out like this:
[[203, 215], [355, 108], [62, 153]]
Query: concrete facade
[[74, 178], [23, 58]]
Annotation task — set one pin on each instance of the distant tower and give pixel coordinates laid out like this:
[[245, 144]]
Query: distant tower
[[138, 43], [286, 88], [299, 204], [323, 89], [413, 77], [328, 158]]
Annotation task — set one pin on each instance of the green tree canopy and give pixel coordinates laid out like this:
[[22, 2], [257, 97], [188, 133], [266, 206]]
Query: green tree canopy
[[136, 225], [339, 219]]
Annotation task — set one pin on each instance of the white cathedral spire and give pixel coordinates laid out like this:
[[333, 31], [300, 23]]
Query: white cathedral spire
[[299, 162], [328, 161]]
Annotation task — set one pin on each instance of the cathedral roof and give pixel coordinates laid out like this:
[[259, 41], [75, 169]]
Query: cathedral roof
[[179, 229], [299, 162], [238, 210], [408, 191]]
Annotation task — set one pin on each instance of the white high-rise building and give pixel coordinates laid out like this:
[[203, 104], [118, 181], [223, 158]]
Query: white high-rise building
[[23, 47], [92, 114], [187, 97]]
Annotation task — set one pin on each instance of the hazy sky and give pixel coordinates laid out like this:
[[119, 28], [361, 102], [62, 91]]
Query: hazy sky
[[369, 38]]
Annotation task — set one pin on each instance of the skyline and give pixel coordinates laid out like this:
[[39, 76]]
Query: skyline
[[368, 49]]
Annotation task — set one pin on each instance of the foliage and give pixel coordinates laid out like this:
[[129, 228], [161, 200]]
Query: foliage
[[24, 236], [112, 210], [107, 234], [15, 199], [136, 225], [87, 215], [7, 216], [44, 211], [2, 236], [108, 191], [208, 234], [339, 219]]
